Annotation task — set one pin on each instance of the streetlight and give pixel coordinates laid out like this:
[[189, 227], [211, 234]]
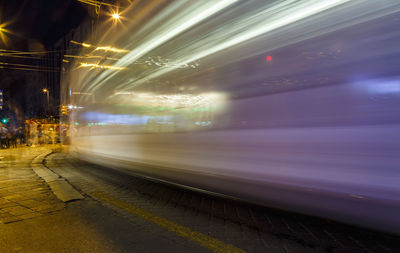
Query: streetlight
[[47, 93], [3, 32], [115, 16]]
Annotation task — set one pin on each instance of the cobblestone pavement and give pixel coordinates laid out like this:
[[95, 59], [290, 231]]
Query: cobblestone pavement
[[247, 227], [23, 194], [33, 220]]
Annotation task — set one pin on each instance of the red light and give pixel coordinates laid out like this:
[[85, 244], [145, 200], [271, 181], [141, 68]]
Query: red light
[[269, 58]]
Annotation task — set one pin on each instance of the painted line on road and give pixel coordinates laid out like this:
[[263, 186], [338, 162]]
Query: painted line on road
[[202, 239]]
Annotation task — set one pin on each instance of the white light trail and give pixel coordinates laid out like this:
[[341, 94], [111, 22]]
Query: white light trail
[[181, 33], [267, 20], [180, 24]]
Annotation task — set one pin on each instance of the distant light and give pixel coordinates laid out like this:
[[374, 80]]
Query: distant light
[[45, 90], [4, 121], [115, 16], [86, 45], [269, 58]]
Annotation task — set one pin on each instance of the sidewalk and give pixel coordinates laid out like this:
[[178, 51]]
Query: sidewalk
[[33, 219], [23, 194]]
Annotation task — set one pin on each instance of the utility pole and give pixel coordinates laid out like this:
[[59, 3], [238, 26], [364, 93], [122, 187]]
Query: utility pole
[[48, 99]]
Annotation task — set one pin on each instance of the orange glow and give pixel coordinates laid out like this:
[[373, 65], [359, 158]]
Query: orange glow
[[3, 32]]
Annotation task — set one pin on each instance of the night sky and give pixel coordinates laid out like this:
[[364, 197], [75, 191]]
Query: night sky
[[34, 25], [42, 20]]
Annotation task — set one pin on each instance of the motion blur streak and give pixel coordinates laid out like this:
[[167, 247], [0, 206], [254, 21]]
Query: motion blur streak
[[193, 14], [92, 65], [290, 104]]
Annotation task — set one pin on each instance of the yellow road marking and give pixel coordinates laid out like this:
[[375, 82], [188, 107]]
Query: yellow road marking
[[204, 240]]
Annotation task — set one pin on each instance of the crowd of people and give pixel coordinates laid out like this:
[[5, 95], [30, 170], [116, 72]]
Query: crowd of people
[[10, 137], [31, 135]]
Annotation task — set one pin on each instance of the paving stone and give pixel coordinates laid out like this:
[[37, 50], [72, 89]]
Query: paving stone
[[42, 207], [16, 197], [30, 203], [272, 242], [8, 204], [53, 208], [17, 210], [232, 230], [9, 219], [30, 215], [21, 189], [4, 201], [291, 246], [4, 214]]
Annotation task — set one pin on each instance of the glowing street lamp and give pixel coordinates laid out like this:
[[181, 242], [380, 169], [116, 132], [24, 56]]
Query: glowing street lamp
[[115, 16], [3, 32]]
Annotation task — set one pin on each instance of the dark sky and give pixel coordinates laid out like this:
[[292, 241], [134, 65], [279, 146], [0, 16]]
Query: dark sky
[[42, 20], [34, 25]]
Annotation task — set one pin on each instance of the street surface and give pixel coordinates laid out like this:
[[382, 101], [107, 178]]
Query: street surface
[[126, 213]]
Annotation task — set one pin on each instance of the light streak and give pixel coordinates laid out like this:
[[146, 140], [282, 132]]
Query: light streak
[[91, 57], [198, 13], [173, 100], [96, 3], [94, 65], [112, 49], [255, 26], [170, 32], [104, 48], [81, 44], [181, 26]]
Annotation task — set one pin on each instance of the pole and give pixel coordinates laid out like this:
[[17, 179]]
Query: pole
[[48, 104]]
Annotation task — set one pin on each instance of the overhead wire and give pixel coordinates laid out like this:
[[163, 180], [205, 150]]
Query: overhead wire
[[18, 56], [28, 69], [96, 3], [12, 52], [26, 65]]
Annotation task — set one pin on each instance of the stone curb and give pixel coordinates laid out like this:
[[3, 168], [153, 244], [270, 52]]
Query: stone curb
[[61, 188]]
